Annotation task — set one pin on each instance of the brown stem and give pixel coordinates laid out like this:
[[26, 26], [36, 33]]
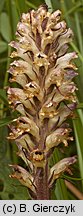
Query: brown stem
[[42, 183]]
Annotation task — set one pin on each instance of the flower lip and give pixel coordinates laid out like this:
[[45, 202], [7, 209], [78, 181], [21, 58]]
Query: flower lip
[[37, 155]]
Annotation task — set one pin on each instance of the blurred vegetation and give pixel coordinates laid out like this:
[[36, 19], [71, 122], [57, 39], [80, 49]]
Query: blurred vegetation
[[10, 13]]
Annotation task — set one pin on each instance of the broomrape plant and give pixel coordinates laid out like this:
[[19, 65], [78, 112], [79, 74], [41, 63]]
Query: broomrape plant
[[44, 98]]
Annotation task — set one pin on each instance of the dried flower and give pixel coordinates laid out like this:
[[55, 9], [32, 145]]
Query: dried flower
[[45, 97]]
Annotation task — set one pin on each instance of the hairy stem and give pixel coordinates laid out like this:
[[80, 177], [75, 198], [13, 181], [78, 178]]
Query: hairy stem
[[42, 183]]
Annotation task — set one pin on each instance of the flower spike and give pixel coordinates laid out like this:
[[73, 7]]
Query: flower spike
[[43, 69]]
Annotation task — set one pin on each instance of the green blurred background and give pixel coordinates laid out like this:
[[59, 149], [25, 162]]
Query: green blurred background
[[10, 13]]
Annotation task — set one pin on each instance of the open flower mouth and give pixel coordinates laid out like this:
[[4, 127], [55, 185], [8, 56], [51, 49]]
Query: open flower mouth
[[37, 155]]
